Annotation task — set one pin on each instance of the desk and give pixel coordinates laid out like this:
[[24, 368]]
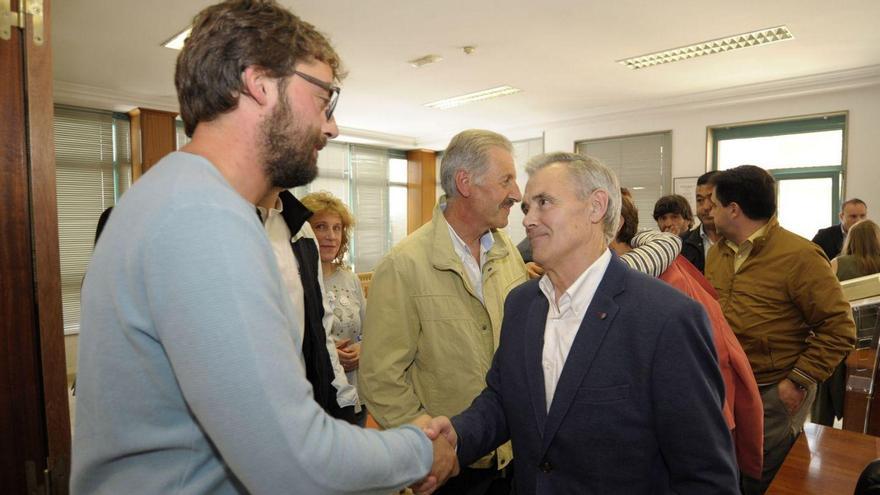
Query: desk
[[825, 461]]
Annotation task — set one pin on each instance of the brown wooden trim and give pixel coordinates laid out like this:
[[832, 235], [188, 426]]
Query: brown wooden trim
[[137, 160], [155, 133], [421, 187], [47, 265]]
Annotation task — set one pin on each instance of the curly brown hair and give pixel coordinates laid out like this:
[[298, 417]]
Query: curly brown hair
[[229, 37], [323, 201]]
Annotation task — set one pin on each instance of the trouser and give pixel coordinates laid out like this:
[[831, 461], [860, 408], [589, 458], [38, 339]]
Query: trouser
[[780, 431]]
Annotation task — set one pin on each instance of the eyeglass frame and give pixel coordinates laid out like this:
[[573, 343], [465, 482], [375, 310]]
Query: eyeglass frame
[[333, 90]]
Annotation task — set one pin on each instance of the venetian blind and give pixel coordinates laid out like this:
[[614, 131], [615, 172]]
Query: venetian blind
[[369, 167], [643, 164], [93, 168]]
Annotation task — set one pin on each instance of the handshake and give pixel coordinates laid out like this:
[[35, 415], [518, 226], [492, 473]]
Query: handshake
[[442, 435]]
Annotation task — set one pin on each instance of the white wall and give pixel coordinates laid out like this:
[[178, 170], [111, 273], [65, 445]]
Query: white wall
[[688, 124]]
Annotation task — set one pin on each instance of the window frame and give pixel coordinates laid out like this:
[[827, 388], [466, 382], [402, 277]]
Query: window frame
[[787, 126]]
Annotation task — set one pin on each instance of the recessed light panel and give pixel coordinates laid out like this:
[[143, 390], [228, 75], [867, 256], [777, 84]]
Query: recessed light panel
[[745, 40], [472, 97]]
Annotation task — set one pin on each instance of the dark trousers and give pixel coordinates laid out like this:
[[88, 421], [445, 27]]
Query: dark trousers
[[488, 481]]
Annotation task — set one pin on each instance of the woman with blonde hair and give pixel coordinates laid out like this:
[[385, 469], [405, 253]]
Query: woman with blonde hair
[[332, 222], [860, 255]]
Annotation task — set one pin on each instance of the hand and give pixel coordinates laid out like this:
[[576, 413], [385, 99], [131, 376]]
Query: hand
[[534, 270], [349, 355], [791, 395], [445, 463], [441, 426]]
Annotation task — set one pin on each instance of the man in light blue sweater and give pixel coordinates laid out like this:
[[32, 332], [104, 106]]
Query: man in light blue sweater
[[191, 378]]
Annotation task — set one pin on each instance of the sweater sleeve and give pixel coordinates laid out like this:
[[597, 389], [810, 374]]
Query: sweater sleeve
[[652, 252], [224, 322]]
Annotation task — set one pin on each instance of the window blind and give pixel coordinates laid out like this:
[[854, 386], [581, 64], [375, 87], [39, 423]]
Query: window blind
[[369, 168], [643, 164], [93, 167]]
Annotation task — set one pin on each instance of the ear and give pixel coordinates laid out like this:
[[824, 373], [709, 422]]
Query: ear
[[840, 216], [464, 183], [735, 210], [258, 85], [598, 205]]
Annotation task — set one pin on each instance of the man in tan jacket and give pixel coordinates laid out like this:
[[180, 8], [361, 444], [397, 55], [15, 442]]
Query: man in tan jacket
[[436, 301], [783, 302]]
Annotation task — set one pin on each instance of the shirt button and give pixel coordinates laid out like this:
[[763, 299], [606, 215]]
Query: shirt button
[[484, 328]]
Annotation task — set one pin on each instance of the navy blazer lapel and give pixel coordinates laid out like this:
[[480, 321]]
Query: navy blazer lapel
[[534, 346], [595, 325]]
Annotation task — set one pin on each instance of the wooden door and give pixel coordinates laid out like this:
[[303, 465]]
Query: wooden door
[[34, 418]]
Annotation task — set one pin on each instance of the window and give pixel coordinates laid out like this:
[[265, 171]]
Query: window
[[93, 169], [372, 183], [397, 196], [805, 156], [643, 164]]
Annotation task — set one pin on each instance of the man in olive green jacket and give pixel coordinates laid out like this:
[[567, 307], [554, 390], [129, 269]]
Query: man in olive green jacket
[[436, 301], [783, 302]]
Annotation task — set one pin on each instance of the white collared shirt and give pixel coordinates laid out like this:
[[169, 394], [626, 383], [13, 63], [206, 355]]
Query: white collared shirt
[[707, 242], [280, 238], [472, 268], [564, 319]]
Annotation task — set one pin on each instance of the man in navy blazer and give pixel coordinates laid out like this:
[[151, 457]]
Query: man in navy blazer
[[605, 380]]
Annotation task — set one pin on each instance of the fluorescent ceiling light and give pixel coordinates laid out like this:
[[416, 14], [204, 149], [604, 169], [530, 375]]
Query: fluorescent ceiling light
[[754, 38], [176, 43], [472, 97]]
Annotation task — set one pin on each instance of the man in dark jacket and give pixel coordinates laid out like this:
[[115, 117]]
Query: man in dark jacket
[[830, 239], [696, 242]]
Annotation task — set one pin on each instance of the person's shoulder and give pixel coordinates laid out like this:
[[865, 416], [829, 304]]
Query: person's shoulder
[[692, 236], [525, 290], [650, 293], [827, 232], [784, 241]]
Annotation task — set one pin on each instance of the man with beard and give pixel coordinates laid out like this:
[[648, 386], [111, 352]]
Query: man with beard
[[697, 242], [191, 378], [436, 300]]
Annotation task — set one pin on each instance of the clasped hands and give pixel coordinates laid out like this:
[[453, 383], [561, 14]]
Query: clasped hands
[[349, 354], [442, 435]]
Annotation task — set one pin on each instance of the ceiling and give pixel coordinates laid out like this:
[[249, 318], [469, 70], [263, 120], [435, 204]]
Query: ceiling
[[561, 53]]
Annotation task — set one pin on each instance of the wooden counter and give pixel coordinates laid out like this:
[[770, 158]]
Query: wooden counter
[[825, 461]]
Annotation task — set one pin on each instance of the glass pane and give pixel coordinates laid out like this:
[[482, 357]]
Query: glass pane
[[397, 170], [810, 149], [397, 213], [805, 205]]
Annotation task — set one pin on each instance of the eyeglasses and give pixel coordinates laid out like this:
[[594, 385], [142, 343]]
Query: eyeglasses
[[333, 90]]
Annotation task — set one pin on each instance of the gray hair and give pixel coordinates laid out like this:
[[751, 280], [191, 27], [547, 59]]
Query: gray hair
[[589, 175], [469, 151]]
